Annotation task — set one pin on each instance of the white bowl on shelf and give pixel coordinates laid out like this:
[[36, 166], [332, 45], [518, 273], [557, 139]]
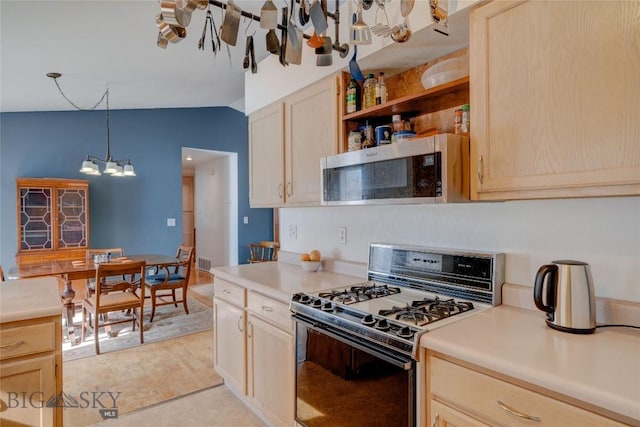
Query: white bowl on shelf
[[310, 265], [445, 71]]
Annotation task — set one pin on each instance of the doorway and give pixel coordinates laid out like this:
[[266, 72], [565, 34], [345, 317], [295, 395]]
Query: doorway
[[214, 175]]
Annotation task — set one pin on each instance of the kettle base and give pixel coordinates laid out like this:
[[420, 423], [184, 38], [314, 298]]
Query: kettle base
[[571, 330]]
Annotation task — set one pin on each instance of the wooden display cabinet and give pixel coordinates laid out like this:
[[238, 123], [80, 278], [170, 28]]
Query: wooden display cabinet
[[52, 218]]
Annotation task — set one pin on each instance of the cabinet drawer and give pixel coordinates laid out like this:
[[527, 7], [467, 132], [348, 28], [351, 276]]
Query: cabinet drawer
[[270, 310], [25, 340], [228, 291], [496, 402]]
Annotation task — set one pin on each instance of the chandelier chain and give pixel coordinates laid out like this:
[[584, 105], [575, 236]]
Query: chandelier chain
[[106, 92]]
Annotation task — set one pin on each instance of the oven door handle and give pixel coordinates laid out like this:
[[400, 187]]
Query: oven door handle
[[406, 364]]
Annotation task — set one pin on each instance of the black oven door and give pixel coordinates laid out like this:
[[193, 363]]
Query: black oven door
[[342, 381]]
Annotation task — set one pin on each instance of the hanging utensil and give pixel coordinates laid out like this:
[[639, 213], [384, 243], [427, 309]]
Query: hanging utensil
[[174, 15], [273, 45], [229, 32], [283, 36], [254, 64], [366, 4], [401, 33], [406, 6], [269, 16], [245, 61], [293, 54], [354, 68], [324, 54], [315, 41], [381, 29], [318, 18]]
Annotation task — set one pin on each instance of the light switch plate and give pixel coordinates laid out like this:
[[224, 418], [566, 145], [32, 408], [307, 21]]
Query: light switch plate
[[171, 222]]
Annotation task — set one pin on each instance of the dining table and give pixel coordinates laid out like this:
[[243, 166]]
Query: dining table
[[69, 270]]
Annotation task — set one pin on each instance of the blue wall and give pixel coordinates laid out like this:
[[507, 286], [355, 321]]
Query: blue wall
[[130, 212]]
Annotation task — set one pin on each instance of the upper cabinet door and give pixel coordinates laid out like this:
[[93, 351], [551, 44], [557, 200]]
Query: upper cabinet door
[[311, 132], [555, 99], [266, 156]]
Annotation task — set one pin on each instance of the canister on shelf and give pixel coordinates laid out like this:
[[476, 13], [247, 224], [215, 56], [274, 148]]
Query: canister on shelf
[[457, 120], [368, 139], [355, 140], [383, 135], [465, 126], [396, 121]]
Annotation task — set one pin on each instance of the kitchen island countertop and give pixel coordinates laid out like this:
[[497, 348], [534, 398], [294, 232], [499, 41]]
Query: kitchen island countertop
[[280, 280], [24, 299], [600, 369]]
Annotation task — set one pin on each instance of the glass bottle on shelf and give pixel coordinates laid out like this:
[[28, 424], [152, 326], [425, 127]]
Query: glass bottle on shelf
[[369, 97], [381, 89], [354, 97]]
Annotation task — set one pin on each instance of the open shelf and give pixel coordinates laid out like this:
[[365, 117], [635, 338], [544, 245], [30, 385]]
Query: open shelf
[[428, 101]]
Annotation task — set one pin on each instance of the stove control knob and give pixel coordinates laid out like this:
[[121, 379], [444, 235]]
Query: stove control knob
[[316, 303], [382, 324], [327, 306], [405, 332], [305, 299], [368, 320]]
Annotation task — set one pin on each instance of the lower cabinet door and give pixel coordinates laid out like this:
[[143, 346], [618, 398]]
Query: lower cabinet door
[[444, 416], [271, 370], [26, 386], [230, 344]]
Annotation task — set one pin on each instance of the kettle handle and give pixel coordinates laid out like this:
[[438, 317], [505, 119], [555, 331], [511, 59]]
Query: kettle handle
[[551, 270]]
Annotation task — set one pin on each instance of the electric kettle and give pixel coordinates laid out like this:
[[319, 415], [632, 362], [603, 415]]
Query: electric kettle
[[570, 300]]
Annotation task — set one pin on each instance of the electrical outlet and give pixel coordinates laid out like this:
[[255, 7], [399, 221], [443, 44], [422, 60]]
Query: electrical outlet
[[342, 235], [293, 232]]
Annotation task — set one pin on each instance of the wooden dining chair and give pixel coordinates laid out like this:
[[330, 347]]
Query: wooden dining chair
[[115, 253], [263, 251], [115, 295], [175, 277]]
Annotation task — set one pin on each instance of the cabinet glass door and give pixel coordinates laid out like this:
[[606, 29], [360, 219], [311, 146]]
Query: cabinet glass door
[[72, 218], [35, 218]]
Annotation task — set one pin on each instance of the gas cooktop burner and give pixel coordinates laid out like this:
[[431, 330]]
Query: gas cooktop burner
[[428, 310], [359, 293]]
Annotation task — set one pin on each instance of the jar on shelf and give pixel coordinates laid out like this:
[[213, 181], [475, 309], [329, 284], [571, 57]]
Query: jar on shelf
[[354, 97], [381, 89], [369, 92], [355, 140], [396, 122], [465, 126]]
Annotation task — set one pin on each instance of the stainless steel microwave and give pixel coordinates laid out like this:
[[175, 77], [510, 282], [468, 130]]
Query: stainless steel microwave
[[433, 169]]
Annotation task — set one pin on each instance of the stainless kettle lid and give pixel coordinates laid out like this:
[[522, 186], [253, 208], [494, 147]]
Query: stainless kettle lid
[[569, 262]]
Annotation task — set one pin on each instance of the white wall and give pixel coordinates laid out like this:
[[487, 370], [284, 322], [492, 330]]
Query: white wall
[[605, 232], [214, 208]]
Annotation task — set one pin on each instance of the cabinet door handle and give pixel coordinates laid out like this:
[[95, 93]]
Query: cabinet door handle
[[239, 325], [289, 189], [15, 344], [480, 171], [280, 191], [518, 414], [435, 420], [267, 308], [226, 291], [249, 329]]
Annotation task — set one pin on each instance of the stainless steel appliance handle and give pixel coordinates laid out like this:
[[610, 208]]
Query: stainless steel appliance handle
[[406, 364], [518, 414]]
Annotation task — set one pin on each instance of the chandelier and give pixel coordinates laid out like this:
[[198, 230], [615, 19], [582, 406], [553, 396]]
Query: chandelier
[[112, 166]]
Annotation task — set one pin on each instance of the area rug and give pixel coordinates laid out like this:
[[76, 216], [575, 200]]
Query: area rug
[[106, 386], [169, 322]]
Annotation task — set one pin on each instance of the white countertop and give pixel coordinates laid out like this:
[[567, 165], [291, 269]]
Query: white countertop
[[601, 369], [280, 280], [29, 299]]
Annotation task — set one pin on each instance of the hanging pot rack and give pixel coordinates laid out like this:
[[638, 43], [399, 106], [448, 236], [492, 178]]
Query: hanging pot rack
[[342, 49]]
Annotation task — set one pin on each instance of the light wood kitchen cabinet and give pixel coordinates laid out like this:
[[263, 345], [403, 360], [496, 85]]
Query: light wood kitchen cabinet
[[230, 338], [286, 142], [554, 99], [271, 370], [30, 356], [462, 396], [53, 218]]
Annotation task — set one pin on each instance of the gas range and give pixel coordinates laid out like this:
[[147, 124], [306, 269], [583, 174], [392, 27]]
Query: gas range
[[410, 291]]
